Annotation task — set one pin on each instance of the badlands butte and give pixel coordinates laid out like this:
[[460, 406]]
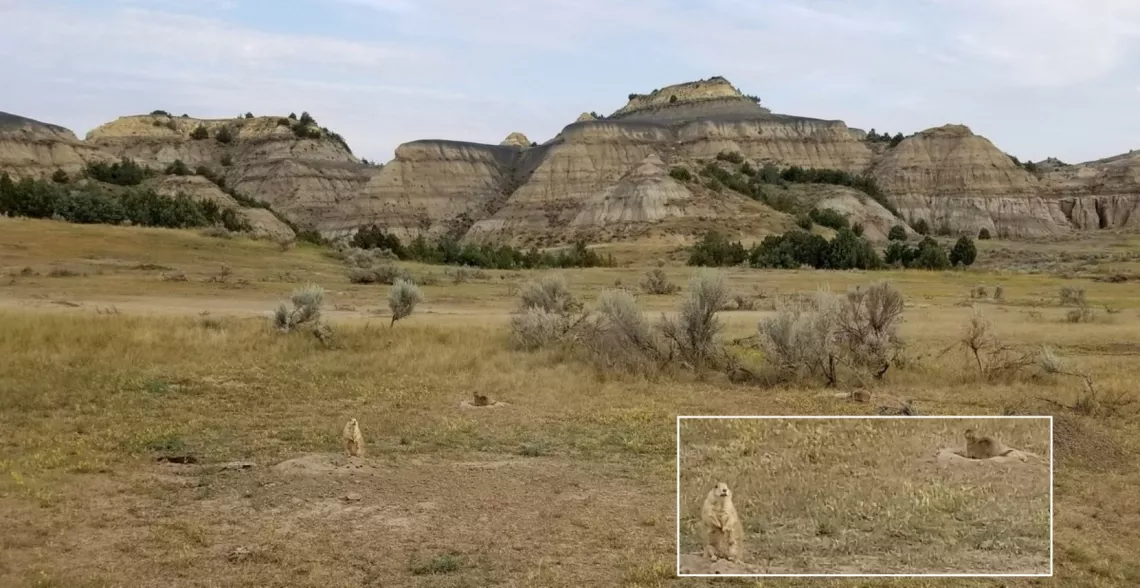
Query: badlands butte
[[602, 178]]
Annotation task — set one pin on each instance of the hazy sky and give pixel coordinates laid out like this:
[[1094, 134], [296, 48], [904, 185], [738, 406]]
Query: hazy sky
[[1038, 77]]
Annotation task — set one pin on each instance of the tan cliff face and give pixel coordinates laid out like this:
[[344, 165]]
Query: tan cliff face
[[561, 177], [593, 178], [516, 140], [781, 140], [1102, 194], [594, 181], [431, 186], [311, 180], [946, 175], [30, 148], [950, 176], [586, 178], [715, 96]]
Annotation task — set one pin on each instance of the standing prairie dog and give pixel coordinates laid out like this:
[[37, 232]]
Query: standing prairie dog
[[353, 440], [723, 531], [983, 447]]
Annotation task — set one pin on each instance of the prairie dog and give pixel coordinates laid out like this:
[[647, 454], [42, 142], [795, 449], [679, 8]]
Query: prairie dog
[[983, 447], [482, 400], [723, 531], [353, 440]]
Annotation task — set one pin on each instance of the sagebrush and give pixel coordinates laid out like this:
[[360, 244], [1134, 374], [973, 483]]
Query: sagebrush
[[551, 294], [816, 337], [305, 312], [656, 282], [615, 333], [693, 333], [306, 308], [619, 336], [403, 297]]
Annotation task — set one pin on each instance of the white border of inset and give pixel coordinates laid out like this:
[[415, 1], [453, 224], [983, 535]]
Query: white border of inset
[[821, 417]]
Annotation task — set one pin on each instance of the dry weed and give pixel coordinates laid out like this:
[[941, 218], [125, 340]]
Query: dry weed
[[656, 282], [694, 332], [859, 331], [550, 294], [1071, 296]]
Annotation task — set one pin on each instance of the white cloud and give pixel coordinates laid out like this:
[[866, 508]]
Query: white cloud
[[1050, 42], [478, 70], [207, 42], [129, 60]]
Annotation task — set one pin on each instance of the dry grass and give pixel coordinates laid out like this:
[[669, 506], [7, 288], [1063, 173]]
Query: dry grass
[[866, 495], [570, 484]]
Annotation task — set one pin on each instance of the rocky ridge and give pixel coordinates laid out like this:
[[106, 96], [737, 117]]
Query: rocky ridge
[[265, 224], [311, 177], [960, 181], [947, 176], [34, 149], [715, 96], [609, 177], [30, 148], [516, 140]]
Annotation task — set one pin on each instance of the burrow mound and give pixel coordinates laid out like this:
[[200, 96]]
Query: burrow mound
[[957, 456], [465, 404], [321, 464]]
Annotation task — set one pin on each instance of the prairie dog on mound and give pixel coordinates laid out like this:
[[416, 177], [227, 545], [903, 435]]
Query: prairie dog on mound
[[983, 447], [482, 400], [723, 531], [353, 440]]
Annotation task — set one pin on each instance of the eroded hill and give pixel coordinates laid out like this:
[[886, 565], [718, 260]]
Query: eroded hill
[[616, 177], [592, 179], [304, 171]]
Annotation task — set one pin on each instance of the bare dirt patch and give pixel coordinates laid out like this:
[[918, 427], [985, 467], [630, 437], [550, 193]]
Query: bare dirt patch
[[503, 522], [324, 463]]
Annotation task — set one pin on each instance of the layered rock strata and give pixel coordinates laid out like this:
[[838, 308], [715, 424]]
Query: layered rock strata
[[608, 177], [30, 148], [955, 179], [313, 179]]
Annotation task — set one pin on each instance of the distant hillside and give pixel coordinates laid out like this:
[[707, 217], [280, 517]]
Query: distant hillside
[[10, 122], [642, 172]]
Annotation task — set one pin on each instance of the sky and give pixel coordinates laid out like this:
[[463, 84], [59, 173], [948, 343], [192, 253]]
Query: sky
[[1039, 78]]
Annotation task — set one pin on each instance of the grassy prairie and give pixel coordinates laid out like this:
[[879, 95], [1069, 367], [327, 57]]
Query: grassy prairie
[[868, 496], [111, 369]]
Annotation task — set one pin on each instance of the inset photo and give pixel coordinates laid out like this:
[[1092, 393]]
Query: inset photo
[[864, 496]]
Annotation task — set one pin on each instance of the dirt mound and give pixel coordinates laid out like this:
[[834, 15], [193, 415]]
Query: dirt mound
[[954, 456], [320, 464], [495, 404]]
